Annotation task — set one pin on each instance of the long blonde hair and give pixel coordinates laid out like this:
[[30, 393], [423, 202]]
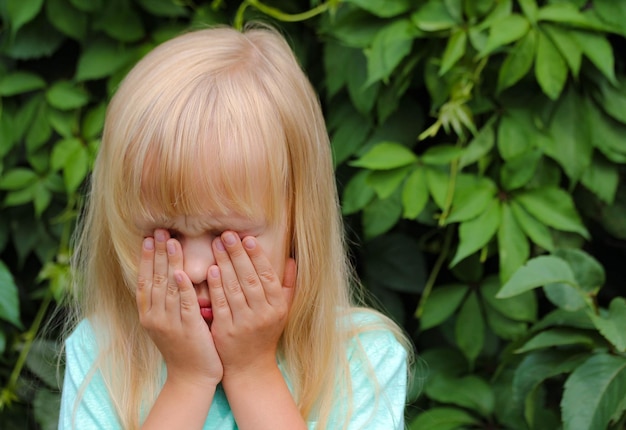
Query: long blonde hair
[[208, 114]]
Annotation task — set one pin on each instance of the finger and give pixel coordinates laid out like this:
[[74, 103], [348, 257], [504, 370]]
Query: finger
[[228, 278], [219, 303], [266, 273], [175, 263], [189, 308], [244, 271], [160, 276], [289, 279], [144, 276]]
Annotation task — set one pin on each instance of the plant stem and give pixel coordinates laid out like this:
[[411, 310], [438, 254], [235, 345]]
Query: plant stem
[[430, 283], [277, 13]]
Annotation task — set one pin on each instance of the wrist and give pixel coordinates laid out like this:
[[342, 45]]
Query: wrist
[[194, 383]]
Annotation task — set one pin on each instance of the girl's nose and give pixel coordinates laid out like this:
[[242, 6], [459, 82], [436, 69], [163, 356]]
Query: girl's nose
[[197, 258]]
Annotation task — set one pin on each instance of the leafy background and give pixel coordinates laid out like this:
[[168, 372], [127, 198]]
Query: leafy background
[[479, 148]]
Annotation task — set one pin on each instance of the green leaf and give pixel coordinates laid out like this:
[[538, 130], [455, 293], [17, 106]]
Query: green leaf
[[17, 178], [40, 130], [563, 12], [516, 132], [35, 40], [518, 62], [471, 392], [76, 169], [167, 8], [594, 392], [9, 300], [441, 154], [550, 67], [612, 325], [535, 230], [349, 134], [93, 122], [588, 271], [530, 9], [441, 304], [120, 20], [476, 233], [433, 16], [554, 207], [390, 46], [535, 273], [385, 156], [598, 49], [47, 405], [513, 247], [87, 5], [567, 46], [455, 49], [67, 19], [22, 11], [443, 418], [380, 215], [471, 198], [414, 194], [566, 297], [557, 337], [101, 59], [19, 83], [386, 182], [41, 198], [383, 8], [479, 146], [519, 169], [362, 93], [438, 182], [535, 368], [522, 307], [612, 99], [606, 134], [357, 193], [470, 328], [602, 178], [395, 262], [504, 31], [66, 95], [502, 326]]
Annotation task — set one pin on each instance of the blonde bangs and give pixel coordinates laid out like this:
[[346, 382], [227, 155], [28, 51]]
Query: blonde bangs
[[193, 157]]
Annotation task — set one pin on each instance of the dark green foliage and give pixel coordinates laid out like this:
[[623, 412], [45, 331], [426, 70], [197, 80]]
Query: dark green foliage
[[480, 149]]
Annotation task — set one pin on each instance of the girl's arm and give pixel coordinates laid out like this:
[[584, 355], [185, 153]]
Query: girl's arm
[[168, 310], [250, 307]]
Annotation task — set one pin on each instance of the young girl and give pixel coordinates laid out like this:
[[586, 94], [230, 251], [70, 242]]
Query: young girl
[[212, 283]]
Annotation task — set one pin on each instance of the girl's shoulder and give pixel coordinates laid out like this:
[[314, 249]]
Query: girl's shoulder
[[374, 334]]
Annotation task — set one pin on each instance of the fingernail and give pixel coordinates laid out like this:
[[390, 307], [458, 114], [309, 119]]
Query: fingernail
[[219, 245], [229, 238], [249, 243], [214, 271], [148, 244], [178, 277], [159, 235], [171, 249]]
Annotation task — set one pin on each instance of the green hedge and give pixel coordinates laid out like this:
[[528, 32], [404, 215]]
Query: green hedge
[[479, 147]]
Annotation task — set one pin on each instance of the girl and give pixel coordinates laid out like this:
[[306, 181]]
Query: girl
[[212, 283]]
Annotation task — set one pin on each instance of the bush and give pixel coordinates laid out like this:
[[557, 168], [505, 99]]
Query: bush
[[479, 148]]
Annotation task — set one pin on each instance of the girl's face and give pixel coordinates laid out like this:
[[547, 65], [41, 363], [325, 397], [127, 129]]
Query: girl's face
[[196, 235]]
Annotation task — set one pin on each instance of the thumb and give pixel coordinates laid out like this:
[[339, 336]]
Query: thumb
[[289, 279]]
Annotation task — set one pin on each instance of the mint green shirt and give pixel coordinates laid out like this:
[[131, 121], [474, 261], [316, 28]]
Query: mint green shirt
[[385, 354]]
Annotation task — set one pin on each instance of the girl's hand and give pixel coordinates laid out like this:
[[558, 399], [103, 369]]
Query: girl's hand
[[169, 311], [250, 306]]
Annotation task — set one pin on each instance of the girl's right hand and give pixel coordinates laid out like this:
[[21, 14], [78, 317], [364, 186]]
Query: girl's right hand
[[168, 310]]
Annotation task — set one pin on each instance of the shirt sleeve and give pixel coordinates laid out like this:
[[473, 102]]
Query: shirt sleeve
[[379, 381], [84, 406]]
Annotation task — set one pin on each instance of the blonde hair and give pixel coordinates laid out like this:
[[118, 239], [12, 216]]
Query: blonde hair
[[210, 113]]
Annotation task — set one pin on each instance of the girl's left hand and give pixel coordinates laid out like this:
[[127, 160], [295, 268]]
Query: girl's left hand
[[250, 305]]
